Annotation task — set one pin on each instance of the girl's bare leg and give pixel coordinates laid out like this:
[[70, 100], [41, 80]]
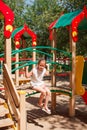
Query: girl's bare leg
[[43, 94], [41, 99], [48, 94]]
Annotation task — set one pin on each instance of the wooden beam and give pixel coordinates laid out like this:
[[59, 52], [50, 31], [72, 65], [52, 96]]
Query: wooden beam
[[10, 99], [13, 91], [53, 95], [22, 120], [8, 53], [17, 71], [72, 99]]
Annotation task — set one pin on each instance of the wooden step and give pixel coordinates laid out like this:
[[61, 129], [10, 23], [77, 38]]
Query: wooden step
[[2, 101], [3, 111], [5, 128], [6, 122]]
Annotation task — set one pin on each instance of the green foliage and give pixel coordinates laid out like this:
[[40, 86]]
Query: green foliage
[[38, 14]]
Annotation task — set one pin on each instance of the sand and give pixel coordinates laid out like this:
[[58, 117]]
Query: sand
[[60, 119]]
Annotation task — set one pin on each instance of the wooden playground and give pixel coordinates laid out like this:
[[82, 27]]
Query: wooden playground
[[14, 115]]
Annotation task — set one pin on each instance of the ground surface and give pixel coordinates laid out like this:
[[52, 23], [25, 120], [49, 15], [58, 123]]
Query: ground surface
[[60, 120]]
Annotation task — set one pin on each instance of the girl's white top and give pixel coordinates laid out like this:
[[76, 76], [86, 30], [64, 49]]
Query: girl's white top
[[37, 77]]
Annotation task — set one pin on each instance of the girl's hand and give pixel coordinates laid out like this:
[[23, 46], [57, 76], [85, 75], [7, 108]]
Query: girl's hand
[[47, 73], [26, 67]]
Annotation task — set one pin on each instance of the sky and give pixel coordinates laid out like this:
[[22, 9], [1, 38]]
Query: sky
[[29, 1]]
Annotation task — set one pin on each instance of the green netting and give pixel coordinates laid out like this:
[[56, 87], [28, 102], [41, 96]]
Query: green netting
[[66, 19], [16, 31]]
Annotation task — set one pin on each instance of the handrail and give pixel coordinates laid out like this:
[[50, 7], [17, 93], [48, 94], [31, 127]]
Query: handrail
[[11, 86], [16, 99]]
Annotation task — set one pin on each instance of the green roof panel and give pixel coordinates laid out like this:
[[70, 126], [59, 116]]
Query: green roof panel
[[66, 19], [16, 31]]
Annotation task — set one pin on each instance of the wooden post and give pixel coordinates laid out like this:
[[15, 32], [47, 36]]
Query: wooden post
[[53, 95], [8, 62], [8, 53], [34, 55], [70, 42], [72, 99], [22, 120], [17, 71]]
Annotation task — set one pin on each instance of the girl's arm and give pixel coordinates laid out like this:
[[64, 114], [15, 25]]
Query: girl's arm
[[28, 74], [47, 73]]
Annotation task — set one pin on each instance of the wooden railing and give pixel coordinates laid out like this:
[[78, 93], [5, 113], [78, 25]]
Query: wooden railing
[[15, 99]]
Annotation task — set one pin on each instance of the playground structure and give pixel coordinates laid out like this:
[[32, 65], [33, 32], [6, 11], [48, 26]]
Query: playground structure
[[17, 33], [14, 100], [75, 20], [17, 103]]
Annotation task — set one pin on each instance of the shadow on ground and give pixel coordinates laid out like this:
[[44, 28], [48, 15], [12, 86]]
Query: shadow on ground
[[60, 117]]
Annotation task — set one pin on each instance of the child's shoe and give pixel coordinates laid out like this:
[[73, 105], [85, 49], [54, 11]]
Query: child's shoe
[[48, 111]]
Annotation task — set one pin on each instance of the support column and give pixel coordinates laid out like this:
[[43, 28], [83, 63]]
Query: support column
[[8, 53], [53, 95], [17, 71], [34, 56], [72, 99], [22, 121]]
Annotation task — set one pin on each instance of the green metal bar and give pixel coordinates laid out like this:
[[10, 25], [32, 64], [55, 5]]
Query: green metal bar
[[53, 91]]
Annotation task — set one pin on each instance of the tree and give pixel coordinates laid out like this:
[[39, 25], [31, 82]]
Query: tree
[[40, 14]]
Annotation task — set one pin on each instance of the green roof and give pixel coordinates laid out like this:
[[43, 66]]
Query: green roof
[[16, 31], [66, 19]]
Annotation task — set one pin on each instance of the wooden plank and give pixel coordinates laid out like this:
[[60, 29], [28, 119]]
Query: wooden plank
[[22, 122], [3, 111], [53, 81], [7, 128], [60, 88], [6, 122], [11, 85], [2, 101], [15, 110], [79, 90]]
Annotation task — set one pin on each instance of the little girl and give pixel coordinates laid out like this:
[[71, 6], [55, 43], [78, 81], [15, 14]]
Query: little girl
[[37, 83]]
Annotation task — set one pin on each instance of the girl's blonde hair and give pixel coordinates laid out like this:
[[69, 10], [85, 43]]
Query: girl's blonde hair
[[42, 59]]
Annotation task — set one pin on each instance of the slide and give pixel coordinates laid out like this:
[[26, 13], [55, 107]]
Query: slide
[[84, 96], [80, 90]]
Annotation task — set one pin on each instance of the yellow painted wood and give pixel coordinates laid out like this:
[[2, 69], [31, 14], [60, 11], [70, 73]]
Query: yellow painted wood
[[79, 90]]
